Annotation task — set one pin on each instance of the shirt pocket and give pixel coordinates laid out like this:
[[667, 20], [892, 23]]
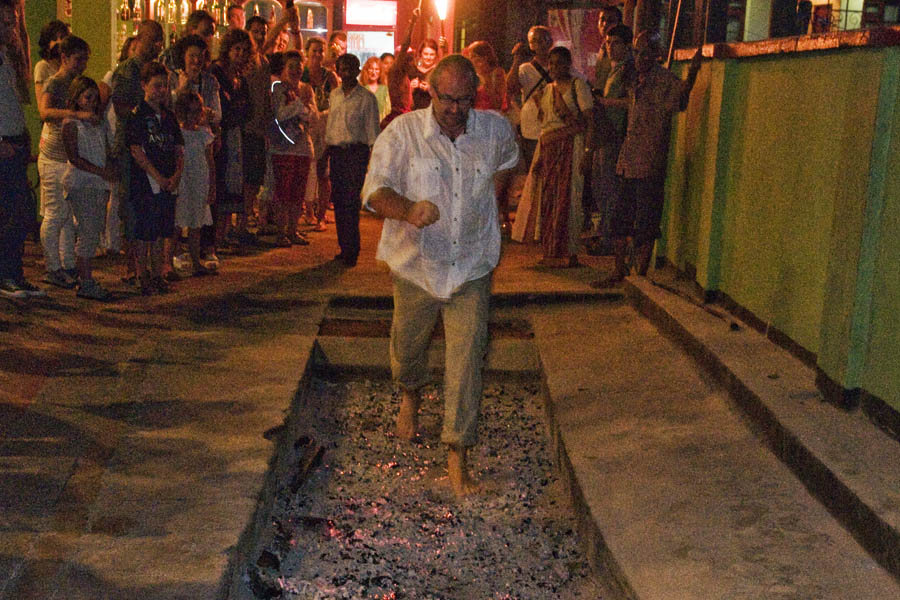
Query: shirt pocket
[[424, 181]]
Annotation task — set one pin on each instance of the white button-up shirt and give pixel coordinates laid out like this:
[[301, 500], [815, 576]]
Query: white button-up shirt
[[413, 158], [352, 118]]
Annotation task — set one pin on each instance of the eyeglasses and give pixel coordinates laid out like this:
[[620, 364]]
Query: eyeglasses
[[461, 102]]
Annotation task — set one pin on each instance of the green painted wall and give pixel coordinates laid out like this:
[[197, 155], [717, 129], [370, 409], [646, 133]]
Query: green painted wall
[[91, 20], [788, 146], [37, 13], [881, 365], [802, 156], [784, 193]]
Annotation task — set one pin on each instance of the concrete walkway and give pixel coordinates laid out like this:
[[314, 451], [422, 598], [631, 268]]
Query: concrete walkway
[[677, 498], [137, 436]]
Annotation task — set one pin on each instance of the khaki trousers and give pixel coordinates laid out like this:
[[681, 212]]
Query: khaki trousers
[[465, 317]]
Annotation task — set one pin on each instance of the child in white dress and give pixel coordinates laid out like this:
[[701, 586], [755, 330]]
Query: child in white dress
[[86, 180], [197, 186]]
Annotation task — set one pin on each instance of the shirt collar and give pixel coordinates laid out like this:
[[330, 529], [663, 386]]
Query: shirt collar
[[432, 128], [353, 92]]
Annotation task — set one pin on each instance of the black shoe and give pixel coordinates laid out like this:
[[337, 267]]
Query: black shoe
[[247, 239], [159, 284], [60, 278], [347, 260]]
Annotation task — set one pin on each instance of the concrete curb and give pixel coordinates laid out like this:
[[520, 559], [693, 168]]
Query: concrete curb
[[254, 537], [801, 440], [609, 575]]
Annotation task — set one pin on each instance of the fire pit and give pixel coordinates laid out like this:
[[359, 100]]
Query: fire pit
[[366, 515]]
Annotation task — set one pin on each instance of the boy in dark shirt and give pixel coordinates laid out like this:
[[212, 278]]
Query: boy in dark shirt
[[157, 158]]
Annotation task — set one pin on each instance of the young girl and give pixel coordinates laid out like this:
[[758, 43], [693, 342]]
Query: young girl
[[197, 184], [294, 104], [87, 178]]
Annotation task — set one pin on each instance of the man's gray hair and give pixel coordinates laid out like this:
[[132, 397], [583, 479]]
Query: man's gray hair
[[459, 64], [542, 31]]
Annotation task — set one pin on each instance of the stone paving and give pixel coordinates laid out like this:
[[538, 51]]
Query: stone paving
[[132, 452], [139, 437]]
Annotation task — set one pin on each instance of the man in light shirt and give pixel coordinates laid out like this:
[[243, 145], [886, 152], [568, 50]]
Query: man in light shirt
[[524, 82], [349, 134], [16, 212], [432, 177]]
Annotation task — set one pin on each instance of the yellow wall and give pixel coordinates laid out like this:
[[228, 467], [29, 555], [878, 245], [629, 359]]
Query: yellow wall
[[784, 193]]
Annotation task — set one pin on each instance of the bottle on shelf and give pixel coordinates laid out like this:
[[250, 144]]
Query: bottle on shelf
[[310, 22], [124, 11]]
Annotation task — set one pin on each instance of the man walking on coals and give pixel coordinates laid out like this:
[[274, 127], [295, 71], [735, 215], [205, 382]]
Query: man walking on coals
[[431, 177]]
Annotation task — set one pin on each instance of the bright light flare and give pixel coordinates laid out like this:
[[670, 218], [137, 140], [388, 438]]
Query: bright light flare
[[441, 6]]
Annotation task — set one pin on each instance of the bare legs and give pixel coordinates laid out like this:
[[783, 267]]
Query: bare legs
[[457, 465], [458, 470], [408, 417]]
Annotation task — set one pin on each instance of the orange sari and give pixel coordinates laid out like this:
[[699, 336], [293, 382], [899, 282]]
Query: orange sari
[[555, 168]]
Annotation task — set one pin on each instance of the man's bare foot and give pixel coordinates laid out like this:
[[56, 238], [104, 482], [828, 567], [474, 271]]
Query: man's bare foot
[[462, 482], [408, 417]]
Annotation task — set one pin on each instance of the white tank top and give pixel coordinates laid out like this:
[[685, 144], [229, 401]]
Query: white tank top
[[92, 144]]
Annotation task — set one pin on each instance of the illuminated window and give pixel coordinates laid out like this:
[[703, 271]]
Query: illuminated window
[[371, 12]]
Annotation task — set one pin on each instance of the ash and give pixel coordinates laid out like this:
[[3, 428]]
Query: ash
[[376, 517]]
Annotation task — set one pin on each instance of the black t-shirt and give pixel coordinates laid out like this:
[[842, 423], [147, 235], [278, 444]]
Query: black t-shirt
[[158, 135]]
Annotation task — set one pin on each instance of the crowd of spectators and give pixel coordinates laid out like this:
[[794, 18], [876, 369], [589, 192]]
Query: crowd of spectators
[[225, 148]]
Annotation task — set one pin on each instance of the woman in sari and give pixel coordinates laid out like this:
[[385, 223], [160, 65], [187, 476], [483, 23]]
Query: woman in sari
[[556, 179], [229, 70]]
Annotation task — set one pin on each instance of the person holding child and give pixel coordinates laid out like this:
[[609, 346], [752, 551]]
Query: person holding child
[[291, 145], [87, 178], [198, 188], [156, 150], [58, 226]]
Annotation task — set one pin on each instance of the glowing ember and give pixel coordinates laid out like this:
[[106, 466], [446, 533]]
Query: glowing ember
[[405, 536]]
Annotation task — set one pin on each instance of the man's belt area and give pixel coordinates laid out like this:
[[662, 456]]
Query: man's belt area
[[18, 140], [348, 145]]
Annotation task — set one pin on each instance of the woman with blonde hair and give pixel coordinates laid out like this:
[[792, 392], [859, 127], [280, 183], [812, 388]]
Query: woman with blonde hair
[[491, 94], [373, 76]]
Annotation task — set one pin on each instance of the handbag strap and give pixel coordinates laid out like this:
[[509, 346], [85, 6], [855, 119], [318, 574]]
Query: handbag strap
[[545, 77]]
